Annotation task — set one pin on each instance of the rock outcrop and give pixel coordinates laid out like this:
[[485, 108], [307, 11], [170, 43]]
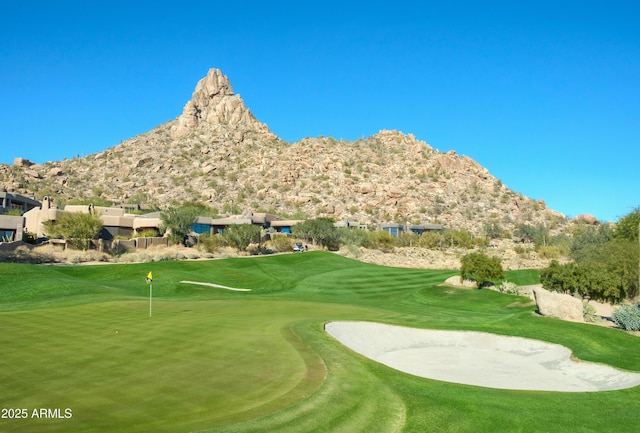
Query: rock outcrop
[[559, 305], [218, 153], [586, 219], [214, 103]]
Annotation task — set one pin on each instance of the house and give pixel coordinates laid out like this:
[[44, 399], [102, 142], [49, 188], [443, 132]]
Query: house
[[211, 226], [116, 223], [422, 228], [270, 222], [11, 228], [284, 226], [350, 225], [396, 229], [9, 201]]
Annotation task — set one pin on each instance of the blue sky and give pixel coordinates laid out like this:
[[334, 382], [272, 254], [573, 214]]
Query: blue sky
[[544, 94]]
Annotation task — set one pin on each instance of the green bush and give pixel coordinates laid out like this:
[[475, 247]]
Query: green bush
[[357, 237], [550, 252], [627, 317], [240, 236], [148, 233], [589, 313], [281, 243], [210, 243], [382, 240], [481, 268], [431, 240], [509, 288]]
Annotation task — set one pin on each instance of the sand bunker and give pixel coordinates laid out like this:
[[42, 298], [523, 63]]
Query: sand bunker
[[219, 286], [477, 358]]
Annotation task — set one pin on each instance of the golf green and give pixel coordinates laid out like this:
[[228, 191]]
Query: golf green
[[79, 352]]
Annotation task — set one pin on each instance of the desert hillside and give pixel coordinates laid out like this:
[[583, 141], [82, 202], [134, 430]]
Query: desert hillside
[[218, 153]]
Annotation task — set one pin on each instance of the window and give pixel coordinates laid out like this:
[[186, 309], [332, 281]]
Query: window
[[6, 235], [201, 228]]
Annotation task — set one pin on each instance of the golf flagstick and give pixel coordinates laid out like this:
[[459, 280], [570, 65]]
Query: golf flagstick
[[150, 282]]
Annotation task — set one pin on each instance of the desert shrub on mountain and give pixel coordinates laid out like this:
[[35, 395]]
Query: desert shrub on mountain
[[460, 238], [493, 230]]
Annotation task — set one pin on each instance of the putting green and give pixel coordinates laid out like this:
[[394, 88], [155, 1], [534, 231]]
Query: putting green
[[191, 366]]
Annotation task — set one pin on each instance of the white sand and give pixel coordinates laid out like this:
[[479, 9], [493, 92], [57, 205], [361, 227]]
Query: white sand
[[219, 286], [477, 358]]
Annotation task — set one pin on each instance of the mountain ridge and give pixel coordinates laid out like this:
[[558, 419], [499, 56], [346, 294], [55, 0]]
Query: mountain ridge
[[218, 153]]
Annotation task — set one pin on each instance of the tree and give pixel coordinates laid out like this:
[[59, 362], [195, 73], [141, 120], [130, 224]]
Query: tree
[[319, 231], [179, 220], [481, 268], [590, 280], [77, 228], [587, 240], [492, 230], [458, 238], [357, 237], [241, 235], [627, 227], [620, 259]]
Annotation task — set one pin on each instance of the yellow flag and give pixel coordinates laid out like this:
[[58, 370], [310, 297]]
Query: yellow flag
[[149, 277]]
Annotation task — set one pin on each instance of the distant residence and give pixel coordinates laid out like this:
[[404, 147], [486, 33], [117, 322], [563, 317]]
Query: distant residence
[[12, 226], [116, 223], [396, 229], [351, 225], [269, 222], [9, 201]]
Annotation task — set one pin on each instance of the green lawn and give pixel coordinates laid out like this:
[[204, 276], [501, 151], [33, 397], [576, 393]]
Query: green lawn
[[80, 337]]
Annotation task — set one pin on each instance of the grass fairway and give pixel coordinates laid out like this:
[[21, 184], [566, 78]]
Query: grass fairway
[[80, 337]]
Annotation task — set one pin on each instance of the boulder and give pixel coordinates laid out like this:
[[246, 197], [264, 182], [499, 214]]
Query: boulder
[[457, 281], [587, 219], [559, 305], [22, 162]]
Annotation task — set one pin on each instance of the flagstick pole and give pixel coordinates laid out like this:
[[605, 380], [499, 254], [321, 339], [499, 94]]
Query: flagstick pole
[[150, 297]]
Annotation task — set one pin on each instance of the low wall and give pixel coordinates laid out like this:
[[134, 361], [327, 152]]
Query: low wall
[[11, 246], [102, 245]]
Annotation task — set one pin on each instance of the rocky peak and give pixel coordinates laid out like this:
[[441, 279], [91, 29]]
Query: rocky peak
[[217, 152], [214, 103]]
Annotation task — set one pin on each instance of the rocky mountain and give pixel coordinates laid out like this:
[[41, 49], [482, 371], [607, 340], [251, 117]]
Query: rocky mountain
[[218, 153]]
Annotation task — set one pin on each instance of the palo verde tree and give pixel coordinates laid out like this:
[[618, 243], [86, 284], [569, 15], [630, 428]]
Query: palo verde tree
[[606, 264], [319, 231], [628, 226], [589, 280], [481, 268], [241, 235], [178, 220], [77, 228]]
